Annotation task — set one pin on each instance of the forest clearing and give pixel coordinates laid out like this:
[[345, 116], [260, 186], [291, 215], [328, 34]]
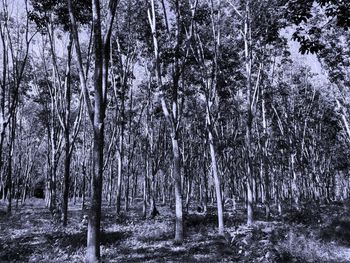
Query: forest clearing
[[174, 131]]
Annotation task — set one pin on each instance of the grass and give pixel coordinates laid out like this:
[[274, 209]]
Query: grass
[[31, 234], [306, 248]]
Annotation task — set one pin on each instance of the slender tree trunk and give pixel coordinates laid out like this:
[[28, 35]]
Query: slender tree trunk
[[110, 185], [265, 161], [126, 192], [120, 151], [9, 168], [205, 186], [144, 208], [66, 180], [83, 187], [172, 120], [120, 171], [178, 194], [97, 115], [249, 122], [75, 190], [295, 192], [249, 182], [67, 160], [217, 183], [93, 236]]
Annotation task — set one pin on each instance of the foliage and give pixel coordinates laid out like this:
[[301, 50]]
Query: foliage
[[43, 10], [300, 13]]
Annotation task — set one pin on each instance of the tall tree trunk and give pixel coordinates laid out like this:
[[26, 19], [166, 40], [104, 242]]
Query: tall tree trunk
[[97, 115], [178, 193], [66, 179], [145, 186], [265, 161], [93, 236], [217, 184], [67, 160], [83, 197], [249, 122], [120, 170], [12, 128], [110, 185], [294, 182], [172, 120]]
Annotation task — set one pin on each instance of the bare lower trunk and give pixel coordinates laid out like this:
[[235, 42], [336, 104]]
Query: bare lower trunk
[[295, 190], [267, 192], [249, 181], [120, 178], [144, 208], [83, 188], [9, 168], [93, 237], [126, 204], [178, 196], [110, 186], [53, 187], [9, 189], [66, 183], [217, 184], [188, 194], [205, 190], [250, 217]]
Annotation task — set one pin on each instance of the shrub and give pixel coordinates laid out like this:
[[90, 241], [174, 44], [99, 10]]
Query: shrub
[[302, 248], [338, 230]]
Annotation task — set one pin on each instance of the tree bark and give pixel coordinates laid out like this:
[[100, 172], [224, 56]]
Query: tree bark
[[217, 184], [67, 160], [178, 194], [97, 115]]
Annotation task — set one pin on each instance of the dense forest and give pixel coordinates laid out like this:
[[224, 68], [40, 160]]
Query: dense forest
[[174, 131]]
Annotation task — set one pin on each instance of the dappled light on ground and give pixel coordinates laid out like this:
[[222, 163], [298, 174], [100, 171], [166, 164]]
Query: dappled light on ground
[[31, 234]]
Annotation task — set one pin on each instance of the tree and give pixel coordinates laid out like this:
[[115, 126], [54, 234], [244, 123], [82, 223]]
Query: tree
[[178, 54], [210, 85], [15, 56], [300, 12], [97, 113]]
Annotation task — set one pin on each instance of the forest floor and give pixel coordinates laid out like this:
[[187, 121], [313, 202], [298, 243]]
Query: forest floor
[[313, 234]]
